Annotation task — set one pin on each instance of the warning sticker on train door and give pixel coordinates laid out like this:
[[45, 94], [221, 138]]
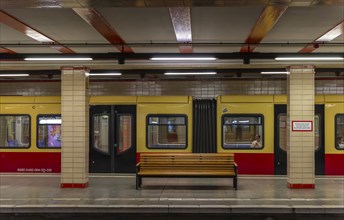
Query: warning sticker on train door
[[303, 126]]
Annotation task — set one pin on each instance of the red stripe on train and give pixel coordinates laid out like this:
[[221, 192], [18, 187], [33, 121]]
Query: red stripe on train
[[258, 163], [30, 162], [334, 164]]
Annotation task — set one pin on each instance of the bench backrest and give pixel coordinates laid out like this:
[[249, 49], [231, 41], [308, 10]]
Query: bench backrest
[[187, 161]]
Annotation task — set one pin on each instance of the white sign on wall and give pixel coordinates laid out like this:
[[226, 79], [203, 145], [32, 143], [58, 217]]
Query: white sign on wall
[[302, 126]]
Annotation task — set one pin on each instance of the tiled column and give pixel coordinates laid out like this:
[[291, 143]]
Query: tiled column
[[75, 127], [300, 137]]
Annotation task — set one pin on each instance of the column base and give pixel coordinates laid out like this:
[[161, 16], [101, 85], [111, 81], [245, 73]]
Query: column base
[[300, 186], [74, 185]]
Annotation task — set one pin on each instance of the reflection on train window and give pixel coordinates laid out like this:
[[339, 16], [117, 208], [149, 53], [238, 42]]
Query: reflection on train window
[[15, 131], [282, 125], [166, 131], [101, 132], [49, 131], [124, 133], [339, 124], [242, 131]]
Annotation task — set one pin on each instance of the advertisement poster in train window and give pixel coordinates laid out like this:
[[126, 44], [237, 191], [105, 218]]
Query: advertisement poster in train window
[[54, 137]]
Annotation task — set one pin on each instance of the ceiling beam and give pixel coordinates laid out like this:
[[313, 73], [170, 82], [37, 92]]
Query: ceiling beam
[[20, 26], [98, 22], [266, 21], [6, 50], [159, 3], [148, 56], [181, 20], [328, 36]]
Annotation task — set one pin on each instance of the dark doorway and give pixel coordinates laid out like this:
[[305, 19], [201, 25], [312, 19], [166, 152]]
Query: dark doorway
[[280, 129], [112, 139]]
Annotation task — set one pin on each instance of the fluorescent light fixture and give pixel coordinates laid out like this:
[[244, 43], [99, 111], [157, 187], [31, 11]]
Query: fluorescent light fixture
[[182, 58], [6, 75], [309, 58], [50, 122], [58, 59], [275, 72], [190, 73], [246, 121], [105, 74]]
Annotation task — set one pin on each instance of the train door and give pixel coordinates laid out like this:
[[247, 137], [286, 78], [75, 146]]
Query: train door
[[280, 155], [112, 139]]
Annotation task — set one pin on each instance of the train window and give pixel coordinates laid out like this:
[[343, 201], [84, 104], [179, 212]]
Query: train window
[[339, 126], [49, 131], [166, 131], [124, 133], [15, 131], [282, 122], [101, 132], [242, 131]]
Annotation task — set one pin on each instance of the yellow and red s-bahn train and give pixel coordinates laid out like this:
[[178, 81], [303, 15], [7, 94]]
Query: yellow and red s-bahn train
[[121, 127]]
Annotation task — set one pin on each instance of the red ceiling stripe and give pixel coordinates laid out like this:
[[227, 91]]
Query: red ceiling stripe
[[97, 21], [185, 49], [181, 20], [326, 37], [32, 33], [5, 50], [266, 21]]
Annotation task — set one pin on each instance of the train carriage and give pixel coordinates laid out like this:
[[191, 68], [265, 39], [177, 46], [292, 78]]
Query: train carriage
[[122, 127]]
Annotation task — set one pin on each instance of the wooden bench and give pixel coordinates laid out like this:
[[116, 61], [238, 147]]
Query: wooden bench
[[186, 165]]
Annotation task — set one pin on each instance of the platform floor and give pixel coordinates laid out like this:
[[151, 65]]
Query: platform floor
[[116, 194]]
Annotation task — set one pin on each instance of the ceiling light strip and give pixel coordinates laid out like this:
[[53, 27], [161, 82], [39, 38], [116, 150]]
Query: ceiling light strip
[[190, 73], [14, 75], [105, 74], [275, 72], [309, 58], [58, 59], [182, 58]]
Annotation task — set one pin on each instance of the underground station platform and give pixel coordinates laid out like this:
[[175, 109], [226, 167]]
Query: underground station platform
[[113, 196]]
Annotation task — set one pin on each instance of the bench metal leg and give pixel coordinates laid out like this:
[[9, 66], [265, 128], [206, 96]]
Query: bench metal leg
[[137, 182], [235, 183]]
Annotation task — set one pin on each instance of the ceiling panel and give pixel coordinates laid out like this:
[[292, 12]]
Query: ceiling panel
[[28, 49], [284, 49], [156, 49], [62, 25], [9, 35], [217, 49], [95, 49], [332, 49], [141, 24], [305, 24], [227, 24]]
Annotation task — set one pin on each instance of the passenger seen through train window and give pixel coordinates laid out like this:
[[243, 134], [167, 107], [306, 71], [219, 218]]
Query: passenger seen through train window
[[240, 131], [339, 128]]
